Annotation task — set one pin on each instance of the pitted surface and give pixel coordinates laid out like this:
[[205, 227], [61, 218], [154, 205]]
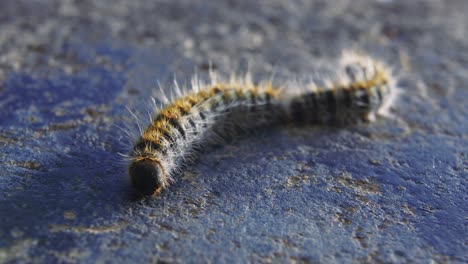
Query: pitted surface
[[391, 191]]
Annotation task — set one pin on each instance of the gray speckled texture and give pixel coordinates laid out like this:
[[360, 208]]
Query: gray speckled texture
[[389, 191]]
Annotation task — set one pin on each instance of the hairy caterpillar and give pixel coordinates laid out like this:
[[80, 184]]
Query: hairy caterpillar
[[362, 87]]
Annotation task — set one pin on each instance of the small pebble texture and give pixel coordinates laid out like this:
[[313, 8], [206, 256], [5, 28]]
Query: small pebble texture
[[394, 190]]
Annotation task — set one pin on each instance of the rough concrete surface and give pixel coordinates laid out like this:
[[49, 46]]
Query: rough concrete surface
[[391, 191]]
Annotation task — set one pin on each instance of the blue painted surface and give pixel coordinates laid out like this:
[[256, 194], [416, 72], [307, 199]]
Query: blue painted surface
[[390, 191]]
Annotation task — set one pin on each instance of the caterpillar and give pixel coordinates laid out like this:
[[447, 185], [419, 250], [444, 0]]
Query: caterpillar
[[362, 87]]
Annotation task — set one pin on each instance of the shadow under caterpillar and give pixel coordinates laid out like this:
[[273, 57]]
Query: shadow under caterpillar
[[362, 87]]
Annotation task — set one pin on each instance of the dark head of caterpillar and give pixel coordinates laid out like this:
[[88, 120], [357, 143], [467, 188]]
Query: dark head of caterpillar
[[147, 176]]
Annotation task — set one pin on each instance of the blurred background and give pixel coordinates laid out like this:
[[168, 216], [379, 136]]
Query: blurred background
[[390, 191]]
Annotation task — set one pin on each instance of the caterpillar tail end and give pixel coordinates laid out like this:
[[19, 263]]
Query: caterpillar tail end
[[146, 176]]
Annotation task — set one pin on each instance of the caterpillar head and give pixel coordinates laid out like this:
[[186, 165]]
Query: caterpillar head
[[147, 176]]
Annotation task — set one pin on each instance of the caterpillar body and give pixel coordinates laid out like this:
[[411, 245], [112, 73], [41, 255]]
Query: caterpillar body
[[362, 87]]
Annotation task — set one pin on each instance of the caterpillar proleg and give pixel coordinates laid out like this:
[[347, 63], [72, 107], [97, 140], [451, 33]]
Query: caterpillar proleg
[[360, 88]]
